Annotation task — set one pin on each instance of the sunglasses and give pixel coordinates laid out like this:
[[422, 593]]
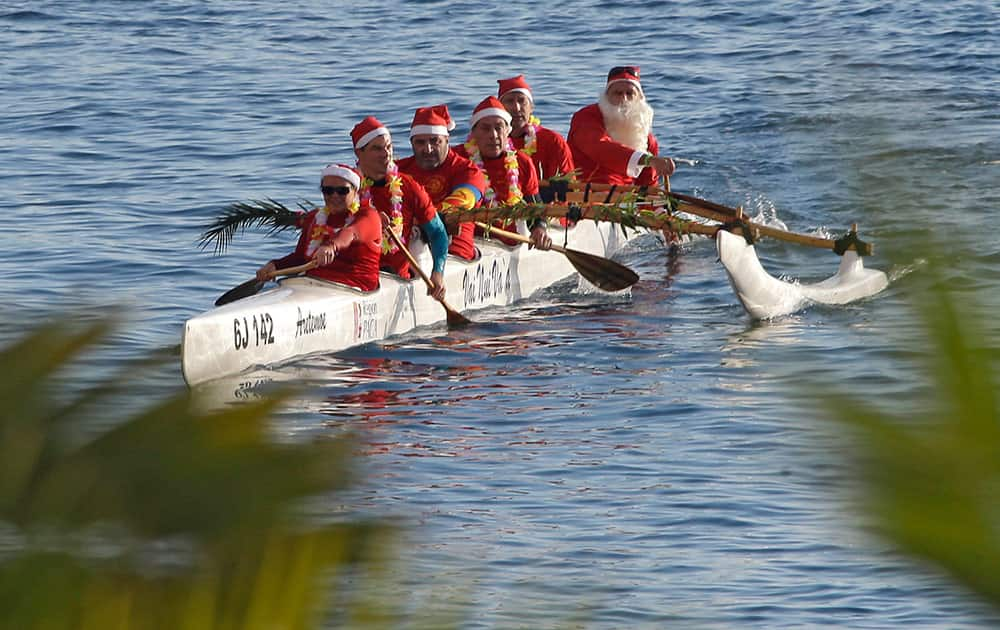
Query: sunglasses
[[634, 71], [338, 190]]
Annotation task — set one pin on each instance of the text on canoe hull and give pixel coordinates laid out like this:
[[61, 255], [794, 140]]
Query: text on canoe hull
[[257, 329], [366, 320], [483, 285]]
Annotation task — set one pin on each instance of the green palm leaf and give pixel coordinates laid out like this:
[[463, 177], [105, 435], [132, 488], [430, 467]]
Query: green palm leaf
[[237, 217]]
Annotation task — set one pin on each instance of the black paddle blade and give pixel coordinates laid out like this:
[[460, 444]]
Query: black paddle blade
[[248, 288], [456, 319], [601, 272]]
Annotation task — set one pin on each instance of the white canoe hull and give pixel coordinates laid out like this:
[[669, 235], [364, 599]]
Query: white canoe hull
[[302, 315], [764, 296]]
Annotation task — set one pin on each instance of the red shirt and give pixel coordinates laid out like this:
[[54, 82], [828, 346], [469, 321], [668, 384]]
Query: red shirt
[[599, 158], [527, 181], [417, 209], [357, 264], [552, 155], [455, 171], [527, 175]]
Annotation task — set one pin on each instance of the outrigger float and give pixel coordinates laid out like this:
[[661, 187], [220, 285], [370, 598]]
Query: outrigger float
[[303, 315], [761, 294], [764, 296]]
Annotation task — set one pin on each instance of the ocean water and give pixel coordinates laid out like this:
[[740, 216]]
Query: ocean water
[[646, 461]]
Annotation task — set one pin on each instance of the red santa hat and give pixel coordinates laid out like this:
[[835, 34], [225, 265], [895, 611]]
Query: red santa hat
[[434, 121], [342, 171], [367, 130], [490, 106], [514, 84], [629, 74]]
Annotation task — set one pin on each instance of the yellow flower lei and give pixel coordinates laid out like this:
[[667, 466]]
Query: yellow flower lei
[[395, 183], [531, 135], [514, 194]]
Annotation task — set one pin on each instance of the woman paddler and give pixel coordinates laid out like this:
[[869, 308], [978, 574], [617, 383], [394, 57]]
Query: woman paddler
[[344, 236]]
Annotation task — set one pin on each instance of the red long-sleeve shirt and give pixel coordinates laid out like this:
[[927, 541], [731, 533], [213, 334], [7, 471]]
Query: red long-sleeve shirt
[[355, 265], [454, 172], [552, 154], [418, 208]]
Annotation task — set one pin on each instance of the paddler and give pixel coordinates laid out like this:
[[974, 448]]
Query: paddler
[[344, 236], [546, 148], [511, 177], [451, 181], [612, 140], [402, 200]]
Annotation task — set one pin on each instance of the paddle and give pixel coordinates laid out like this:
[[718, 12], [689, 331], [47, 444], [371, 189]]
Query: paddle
[[454, 317], [253, 286], [599, 271]]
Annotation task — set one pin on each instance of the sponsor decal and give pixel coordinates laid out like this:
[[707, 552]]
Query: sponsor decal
[[365, 320], [308, 323]]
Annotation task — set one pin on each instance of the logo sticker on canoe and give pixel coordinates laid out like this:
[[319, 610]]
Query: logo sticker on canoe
[[366, 320]]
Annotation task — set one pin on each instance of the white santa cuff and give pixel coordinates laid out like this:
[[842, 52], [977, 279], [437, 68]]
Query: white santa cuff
[[634, 167]]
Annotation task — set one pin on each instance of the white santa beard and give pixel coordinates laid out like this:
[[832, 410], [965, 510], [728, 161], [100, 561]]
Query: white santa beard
[[628, 123]]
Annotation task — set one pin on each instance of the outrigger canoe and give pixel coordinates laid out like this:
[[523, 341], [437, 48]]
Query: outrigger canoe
[[302, 316]]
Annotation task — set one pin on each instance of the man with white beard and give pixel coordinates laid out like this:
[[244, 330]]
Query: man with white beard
[[612, 140]]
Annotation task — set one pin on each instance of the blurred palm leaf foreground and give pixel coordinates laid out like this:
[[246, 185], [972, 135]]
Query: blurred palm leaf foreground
[[168, 518], [931, 479]]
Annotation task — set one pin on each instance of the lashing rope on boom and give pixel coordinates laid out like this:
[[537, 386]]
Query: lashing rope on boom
[[849, 240]]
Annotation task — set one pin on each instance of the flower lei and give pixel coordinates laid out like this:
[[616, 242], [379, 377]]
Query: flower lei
[[320, 231], [531, 135], [395, 183], [514, 194]]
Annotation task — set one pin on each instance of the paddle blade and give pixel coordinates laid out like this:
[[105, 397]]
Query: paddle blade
[[456, 319], [601, 272], [248, 288]]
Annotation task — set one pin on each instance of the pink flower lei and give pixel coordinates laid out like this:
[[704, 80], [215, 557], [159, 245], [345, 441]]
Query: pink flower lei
[[531, 135], [514, 194], [395, 183]]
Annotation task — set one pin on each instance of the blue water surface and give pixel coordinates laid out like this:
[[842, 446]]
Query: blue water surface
[[646, 461]]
